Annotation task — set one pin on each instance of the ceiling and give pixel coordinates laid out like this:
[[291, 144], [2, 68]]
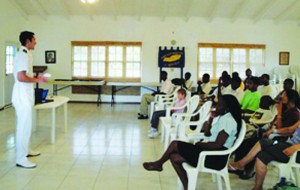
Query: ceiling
[[255, 10]]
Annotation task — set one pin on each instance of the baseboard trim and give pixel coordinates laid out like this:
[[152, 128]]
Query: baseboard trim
[[93, 102]]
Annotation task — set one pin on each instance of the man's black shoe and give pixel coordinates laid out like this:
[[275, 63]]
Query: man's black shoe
[[247, 175], [143, 117]]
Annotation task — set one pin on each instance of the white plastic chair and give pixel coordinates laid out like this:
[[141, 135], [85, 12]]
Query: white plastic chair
[[185, 133], [172, 121], [192, 172], [162, 100], [289, 170]]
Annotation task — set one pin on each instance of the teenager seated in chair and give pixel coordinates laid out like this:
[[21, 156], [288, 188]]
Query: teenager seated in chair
[[235, 89], [265, 88], [188, 83], [220, 136], [153, 132], [267, 150], [287, 85], [166, 88], [253, 135], [248, 74], [251, 99], [236, 74], [204, 86], [222, 88]]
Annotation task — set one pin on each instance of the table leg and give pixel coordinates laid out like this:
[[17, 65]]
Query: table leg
[[112, 95], [66, 116], [53, 126]]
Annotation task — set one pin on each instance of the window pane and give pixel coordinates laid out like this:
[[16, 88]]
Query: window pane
[[80, 53], [115, 53], [223, 55], [205, 68], [115, 69], [132, 70], [239, 55], [256, 56], [80, 69], [98, 53], [133, 53], [9, 56], [205, 54], [98, 69]]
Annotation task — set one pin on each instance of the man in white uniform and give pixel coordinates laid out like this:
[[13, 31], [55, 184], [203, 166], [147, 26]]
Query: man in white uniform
[[23, 98]]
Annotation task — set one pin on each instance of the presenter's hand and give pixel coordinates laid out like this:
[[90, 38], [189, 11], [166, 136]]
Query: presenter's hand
[[42, 79]]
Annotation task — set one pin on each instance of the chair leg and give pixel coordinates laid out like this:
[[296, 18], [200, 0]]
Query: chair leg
[[192, 179], [162, 136], [227, 181], [167, 137], [297, 176], [219, 182]]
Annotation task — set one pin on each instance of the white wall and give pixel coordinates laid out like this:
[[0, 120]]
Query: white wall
[[56, 33], [10, 22]]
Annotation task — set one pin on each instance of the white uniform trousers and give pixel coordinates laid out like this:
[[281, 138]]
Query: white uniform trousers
[[23, 130]]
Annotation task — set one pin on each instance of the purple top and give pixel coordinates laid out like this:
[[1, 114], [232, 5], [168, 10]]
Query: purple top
[[179, 103], [296, 137]]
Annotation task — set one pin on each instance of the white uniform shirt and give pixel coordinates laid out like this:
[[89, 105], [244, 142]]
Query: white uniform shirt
[[189, 84], [228, 124], [23, 91], [167, 86], [268, 90], [206, 87], [238, 93]]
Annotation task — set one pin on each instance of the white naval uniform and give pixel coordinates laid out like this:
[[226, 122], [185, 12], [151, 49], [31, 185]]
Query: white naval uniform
[[23, 101]]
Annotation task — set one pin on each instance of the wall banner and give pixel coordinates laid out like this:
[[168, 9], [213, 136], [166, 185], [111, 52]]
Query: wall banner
[[173, 57]]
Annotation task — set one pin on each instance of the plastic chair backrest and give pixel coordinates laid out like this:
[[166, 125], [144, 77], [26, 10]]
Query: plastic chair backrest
[[204, 113]]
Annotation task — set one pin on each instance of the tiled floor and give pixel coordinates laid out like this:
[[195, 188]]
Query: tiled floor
[[103, 149]]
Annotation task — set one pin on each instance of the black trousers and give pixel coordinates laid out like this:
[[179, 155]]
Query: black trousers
[[155, 118]]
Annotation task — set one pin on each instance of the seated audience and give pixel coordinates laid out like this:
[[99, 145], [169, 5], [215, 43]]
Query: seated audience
[[188, 83], [204, 86], [166, 88], [181, 94], [265, 88], [223, 87], [287, 114], [259, 117], [287, 85], [267, 150], [248, 73], [288, 109], [251, 98], [235, 89], [236, 74], [220, 136]]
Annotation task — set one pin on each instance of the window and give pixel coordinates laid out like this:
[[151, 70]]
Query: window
[[112, 61], [215, 58], [10, 53]]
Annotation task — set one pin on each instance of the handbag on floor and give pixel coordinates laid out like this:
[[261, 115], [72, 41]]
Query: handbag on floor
[[287, 185]]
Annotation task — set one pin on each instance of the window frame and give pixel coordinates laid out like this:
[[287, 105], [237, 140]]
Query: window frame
[[15, 50], [214, 46], [106, 44]]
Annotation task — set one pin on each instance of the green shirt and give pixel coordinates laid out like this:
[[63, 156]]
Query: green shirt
[[251, 100]]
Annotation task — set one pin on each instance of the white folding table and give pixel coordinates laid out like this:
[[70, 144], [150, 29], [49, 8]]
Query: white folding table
[[57, 102]]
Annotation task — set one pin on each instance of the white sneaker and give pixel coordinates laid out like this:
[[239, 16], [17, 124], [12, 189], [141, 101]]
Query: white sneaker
[[26, 164], [152, 130], [153, 134], [33, 153]]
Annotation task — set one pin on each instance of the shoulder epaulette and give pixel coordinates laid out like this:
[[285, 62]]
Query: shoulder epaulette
[[24, 50]]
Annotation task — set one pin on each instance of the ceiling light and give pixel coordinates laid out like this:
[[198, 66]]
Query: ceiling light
[[88, 1]]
